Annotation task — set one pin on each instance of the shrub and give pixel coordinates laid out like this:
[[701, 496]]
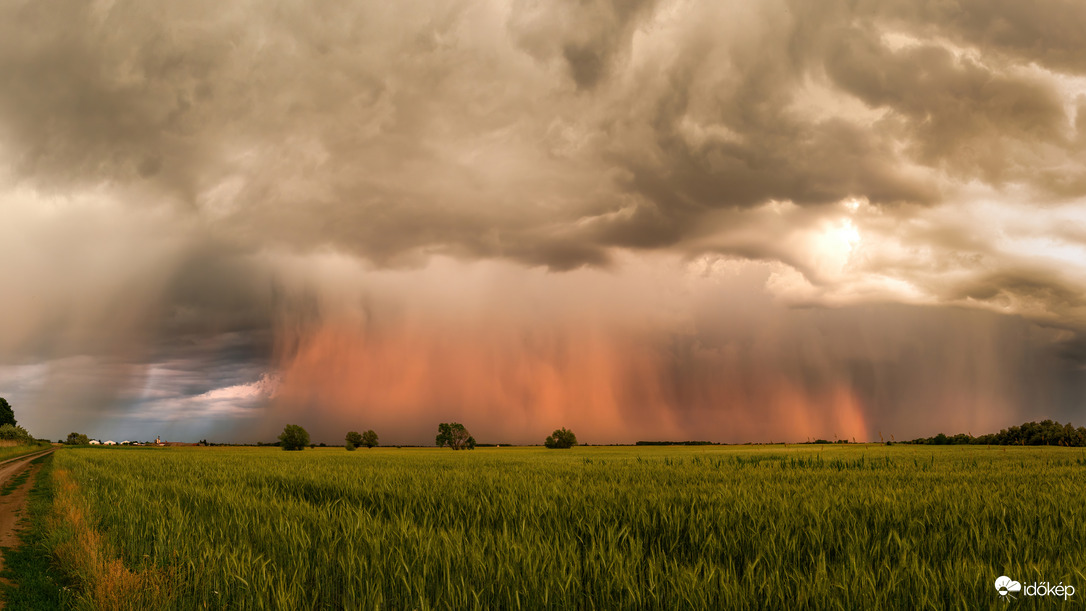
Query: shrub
[[15, 432], [354, 439]]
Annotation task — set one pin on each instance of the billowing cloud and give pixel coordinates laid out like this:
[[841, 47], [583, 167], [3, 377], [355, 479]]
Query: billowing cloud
[[404, 212]]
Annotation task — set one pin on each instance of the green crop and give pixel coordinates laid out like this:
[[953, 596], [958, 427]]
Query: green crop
[[808, 527]]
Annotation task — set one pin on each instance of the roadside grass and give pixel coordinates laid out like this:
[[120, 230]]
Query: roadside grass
[[35, 584], [98, 579], [7, 452]]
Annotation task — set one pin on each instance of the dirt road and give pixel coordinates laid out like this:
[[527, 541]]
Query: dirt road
[[13, 504]]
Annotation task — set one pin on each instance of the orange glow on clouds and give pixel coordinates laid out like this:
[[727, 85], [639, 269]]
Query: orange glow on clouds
[[513, 384]]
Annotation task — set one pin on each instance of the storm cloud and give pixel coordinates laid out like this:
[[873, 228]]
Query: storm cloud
[[217, 215]]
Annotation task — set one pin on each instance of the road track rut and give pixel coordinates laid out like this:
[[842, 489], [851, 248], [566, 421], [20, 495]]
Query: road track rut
[[13, 505]]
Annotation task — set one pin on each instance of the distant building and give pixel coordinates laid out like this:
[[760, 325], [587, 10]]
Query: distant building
[[110, 443], [95, 442], [125, 442]]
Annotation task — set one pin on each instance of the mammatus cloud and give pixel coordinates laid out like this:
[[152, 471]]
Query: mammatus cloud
[[196, 198]]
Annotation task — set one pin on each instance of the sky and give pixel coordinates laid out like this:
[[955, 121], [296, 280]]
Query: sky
[[716, 220]]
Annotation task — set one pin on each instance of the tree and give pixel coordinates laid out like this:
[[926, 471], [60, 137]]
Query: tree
[[562, 438], [77, 439], [455, 436], [354, 439], [7, 415], [17, 433], [1045, 432], [293, 437], [369, 439]]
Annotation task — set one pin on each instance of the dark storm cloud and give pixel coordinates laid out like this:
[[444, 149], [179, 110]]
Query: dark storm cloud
[[91, 94], [1073, 349], [1048, 32], [725, 131], [217, 290], [398, 133], [959, 113], [802, 163], [590, 36], [1031, 285], [178, 180]]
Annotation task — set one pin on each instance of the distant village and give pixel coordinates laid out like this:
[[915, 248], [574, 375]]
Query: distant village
[[157, 442]]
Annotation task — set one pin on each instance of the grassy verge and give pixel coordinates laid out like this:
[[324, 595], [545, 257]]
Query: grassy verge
[[7, 452], [98, 578], [35, 583], [65, 563]]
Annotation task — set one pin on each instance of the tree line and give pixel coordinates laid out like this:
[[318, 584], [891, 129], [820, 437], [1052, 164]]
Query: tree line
[[449, 435], [456, 436], [1043, 433]]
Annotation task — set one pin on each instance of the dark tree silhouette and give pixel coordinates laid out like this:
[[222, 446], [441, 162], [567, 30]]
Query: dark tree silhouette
[[7, 415]]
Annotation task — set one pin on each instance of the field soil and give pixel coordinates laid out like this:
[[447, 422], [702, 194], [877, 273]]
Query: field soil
[[13, 504]]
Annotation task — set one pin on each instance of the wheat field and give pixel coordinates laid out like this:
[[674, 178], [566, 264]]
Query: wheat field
[[737, 527]]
